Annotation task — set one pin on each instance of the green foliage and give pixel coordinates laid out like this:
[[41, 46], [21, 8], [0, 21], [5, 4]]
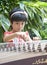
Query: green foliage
[[7, 5], [43, 31], [35, 4], [1, 34]]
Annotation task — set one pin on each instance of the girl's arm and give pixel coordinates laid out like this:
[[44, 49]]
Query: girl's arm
[[8, 37]]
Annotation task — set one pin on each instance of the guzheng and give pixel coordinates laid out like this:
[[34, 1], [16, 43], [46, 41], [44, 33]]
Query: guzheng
[[31, 53]]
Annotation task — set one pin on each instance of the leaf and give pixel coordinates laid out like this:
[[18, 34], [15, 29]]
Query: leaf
[[36, 32], [4, 22]]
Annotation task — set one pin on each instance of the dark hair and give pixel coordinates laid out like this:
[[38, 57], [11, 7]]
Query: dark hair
[[18, 16]]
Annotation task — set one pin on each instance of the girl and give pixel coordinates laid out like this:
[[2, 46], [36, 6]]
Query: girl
[[18, 17]]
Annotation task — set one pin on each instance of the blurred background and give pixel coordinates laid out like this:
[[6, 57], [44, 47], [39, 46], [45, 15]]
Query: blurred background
[[37, 16]]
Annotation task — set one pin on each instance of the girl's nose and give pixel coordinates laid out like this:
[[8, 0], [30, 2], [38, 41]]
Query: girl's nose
[[20, 25]]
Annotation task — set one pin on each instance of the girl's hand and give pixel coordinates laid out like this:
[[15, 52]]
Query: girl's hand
[[36, 38], [24, 35], [25, 38]]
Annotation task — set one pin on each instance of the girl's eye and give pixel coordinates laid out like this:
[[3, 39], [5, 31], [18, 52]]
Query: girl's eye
[[22, 23], [17, 23]]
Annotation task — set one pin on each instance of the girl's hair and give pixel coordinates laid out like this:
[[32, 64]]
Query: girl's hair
[[17, 15]]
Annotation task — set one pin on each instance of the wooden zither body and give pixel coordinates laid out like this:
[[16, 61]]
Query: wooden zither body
[[28, 53]]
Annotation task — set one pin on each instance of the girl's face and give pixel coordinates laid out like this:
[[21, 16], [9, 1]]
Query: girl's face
[[18, 26]]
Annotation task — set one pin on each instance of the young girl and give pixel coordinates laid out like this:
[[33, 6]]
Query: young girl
[[18, 17]]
